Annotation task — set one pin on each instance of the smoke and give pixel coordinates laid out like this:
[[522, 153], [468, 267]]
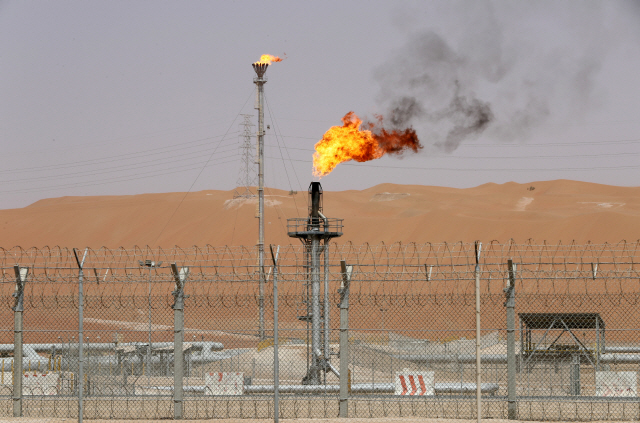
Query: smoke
[[493, 78], [469, 116], [394, 141], [403, 110]]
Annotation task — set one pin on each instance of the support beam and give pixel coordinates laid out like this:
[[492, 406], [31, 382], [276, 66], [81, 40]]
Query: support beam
[[179, 277], [478, 248], [80, 334], [276, 358], [511, 342], [344, 338], [316, 353], [327, 311], [21, 278]]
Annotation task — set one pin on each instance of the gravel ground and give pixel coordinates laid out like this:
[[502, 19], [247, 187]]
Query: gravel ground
[[335, 420]]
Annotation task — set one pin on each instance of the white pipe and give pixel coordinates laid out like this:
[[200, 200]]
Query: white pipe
[[620, 358], [108, 346], [333, 369], [502, 358], [370, 388], [207, 352], [360, 388], [623, 349], [451, 358]]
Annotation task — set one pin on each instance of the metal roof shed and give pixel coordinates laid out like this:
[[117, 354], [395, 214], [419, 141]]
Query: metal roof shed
[[551, 323]]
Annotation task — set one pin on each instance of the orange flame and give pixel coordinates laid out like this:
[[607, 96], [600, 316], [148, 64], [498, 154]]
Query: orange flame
[[349, 142], [267, 59]]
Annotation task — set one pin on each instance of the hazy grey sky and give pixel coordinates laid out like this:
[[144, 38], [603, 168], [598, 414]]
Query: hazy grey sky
[[127, 97]]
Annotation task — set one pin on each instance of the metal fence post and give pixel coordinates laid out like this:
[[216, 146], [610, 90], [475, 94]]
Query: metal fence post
[[478, 248], [276, 358], [574, 375], [178, 337], [344, 338], [327, 326], [80, 383], [21, 278], [511, 342]]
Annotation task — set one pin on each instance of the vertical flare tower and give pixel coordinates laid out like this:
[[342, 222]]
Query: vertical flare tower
[[315, 232], [260, 80]]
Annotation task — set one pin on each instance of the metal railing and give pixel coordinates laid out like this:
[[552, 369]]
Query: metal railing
[[306, 225]]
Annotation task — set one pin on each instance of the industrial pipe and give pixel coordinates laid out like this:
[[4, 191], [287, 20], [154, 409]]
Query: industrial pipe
[[359, 388], [205, 352], [451, 358], [622, 349], [370, 388], [333, 370], [108, 346], [502, 358], [619, 358]]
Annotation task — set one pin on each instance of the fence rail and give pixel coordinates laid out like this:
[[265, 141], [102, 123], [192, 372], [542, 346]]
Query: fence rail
[[411, 328]]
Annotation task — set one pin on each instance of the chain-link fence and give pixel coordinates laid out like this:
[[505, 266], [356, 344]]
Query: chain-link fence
[[391, 334]]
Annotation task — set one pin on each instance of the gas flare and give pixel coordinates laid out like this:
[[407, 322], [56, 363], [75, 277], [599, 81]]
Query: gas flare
[[267, 59], [349, 142]]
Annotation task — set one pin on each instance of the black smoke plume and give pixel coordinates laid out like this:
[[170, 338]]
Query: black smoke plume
[[494, 82]]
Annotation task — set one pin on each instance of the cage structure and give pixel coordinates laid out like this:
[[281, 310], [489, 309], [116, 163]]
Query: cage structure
[[316, 232], [560, 341]]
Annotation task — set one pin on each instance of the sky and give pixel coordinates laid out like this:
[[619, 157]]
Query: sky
[[129, 97]]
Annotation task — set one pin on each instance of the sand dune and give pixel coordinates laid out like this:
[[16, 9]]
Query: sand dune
[[560, 210]]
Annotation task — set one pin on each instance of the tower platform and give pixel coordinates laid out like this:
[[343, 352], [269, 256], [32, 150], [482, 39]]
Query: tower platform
[[307, 227]]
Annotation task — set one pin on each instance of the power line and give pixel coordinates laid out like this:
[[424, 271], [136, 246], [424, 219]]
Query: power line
[[551, 144], [112, 141], [200, 173], [132, 166], [457, 169], [541, 157], [134, 177], [276, 130], [200, 141], [507, 157], [118, 157], [176, 158]]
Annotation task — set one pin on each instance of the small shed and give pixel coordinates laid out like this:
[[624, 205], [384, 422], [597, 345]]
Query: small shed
[[555, 325]]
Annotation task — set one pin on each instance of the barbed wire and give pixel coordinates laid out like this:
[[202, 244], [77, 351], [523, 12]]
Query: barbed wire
[[383, 270], [454, 254]]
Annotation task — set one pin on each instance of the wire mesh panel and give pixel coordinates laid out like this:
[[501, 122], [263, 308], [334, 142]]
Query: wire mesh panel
[[411, 333]]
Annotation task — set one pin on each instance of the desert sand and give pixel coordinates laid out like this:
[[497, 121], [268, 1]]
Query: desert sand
[[551, 211]]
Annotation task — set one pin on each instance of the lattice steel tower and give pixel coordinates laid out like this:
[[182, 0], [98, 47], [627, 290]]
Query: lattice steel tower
[[247, 176]]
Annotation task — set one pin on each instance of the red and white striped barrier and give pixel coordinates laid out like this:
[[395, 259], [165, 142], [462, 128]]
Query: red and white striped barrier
[[224, 383], [414, 383]]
